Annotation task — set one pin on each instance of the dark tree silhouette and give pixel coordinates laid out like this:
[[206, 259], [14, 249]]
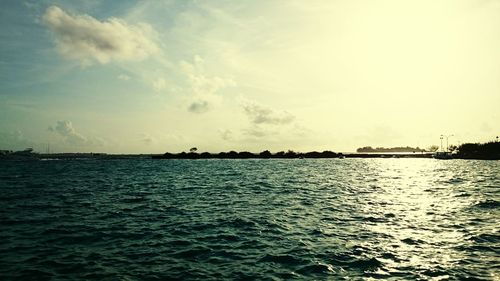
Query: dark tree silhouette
[[486, 151], [265, 154]]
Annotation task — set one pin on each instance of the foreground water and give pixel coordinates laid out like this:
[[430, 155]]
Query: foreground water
[[250, 219]]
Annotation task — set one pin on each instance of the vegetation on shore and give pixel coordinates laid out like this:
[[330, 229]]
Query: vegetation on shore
[[369, 149], [486, 151], [482, 151], [266, 154]]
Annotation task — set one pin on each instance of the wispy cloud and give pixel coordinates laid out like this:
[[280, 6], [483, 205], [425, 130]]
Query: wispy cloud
[[201, 106], [202, 86], [159, 84], [260, 114], [123, 77], [226, 134], [87, 39], [258, 132], [65, 129], [14, 140], [147, 139]]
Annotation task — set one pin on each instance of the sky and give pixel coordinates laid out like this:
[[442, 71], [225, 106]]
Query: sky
[[157, 76]]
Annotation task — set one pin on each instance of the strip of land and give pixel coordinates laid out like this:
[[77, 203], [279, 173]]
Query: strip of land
[[480, 151], [286, 155]]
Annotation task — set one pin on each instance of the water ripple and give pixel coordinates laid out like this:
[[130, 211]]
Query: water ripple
[[396, 219]]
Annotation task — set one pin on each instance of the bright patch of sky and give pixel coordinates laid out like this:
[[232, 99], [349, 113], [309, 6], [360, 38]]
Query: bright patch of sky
[[156, 76]]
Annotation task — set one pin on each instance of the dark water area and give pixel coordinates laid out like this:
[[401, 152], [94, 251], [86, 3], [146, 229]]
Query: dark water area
[[395, 219]]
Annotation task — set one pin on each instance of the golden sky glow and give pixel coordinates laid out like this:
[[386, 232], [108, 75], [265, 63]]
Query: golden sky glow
[[249, 75]]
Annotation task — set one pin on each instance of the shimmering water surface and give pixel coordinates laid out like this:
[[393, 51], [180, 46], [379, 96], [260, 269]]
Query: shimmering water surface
[[250, 219]]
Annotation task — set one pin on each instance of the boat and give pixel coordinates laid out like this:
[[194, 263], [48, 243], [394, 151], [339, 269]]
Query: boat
[[21, 155], [443, 155]]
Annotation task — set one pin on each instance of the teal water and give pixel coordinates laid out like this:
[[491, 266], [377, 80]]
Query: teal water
[[395, 219]]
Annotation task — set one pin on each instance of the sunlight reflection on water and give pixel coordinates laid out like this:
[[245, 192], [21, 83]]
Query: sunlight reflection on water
[[250, 219], [422, 206]]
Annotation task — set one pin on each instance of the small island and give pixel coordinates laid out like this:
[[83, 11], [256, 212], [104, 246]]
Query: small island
[[399, 149], [480, 151], [266, 154]]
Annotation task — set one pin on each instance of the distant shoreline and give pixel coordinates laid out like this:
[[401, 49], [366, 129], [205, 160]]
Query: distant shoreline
[[473, 151], [287, 155]]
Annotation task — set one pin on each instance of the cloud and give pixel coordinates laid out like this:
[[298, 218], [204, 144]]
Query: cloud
[[380, 135], [14, 140], [202, 86], [268, 123], [257, 132], [159, 84], [201, 83], [67, 131], [260, 114], [147, 139], [226, 134], [85, 38], [485, 127], [123, 77], [201, 106]]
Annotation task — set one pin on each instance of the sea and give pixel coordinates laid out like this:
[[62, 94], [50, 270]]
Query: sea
[[255, 219]]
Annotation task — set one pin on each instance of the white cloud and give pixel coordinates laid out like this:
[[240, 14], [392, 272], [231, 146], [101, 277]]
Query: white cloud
[[200, 106], [258, 132], [202, 86], [147, 139], [271, 124], [14, 140], [260, 114], [381, 135], [123, 77], [159, 84], [200, 82], [226, 134], [485, 127], [65, 129], [85, 38]]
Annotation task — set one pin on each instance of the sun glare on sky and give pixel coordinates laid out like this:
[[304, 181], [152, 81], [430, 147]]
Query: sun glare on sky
[[156, 76]]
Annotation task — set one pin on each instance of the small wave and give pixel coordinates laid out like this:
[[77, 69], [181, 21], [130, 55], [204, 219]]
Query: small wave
[[374, 219], [32, 274], [100, 276], [390, 256], [193, 254], [454, 180], [317, 232], [411, 241], [316, 268], [436, 272], [238, 223], [223, 237], [229, 255], [282, 259], [57, 231], [487, 204], [366, 264], [477, 248], [9, 177], [103, 220], [354, 259], [486, 238], [180, 243], [134, 199], [197, 227]]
